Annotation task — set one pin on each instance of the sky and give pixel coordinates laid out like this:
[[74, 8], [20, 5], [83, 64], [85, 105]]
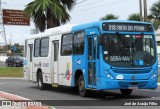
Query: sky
[[84, 11]]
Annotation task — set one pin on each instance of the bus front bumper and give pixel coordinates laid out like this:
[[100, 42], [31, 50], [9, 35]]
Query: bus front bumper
[[126, 84]]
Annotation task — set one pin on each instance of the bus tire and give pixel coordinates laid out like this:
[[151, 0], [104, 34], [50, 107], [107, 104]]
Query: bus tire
[[41, 85], [81, 87], [126, 91]]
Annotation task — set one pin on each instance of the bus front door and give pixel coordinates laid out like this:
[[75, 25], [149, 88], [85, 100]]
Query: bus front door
[[92, 55]]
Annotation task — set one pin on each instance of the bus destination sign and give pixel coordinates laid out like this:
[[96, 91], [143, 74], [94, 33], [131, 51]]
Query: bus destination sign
[[127, 27]]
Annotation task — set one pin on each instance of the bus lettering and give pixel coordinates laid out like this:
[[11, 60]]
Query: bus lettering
[[37, 65], [139, 28], [119, 58], [45, 64]]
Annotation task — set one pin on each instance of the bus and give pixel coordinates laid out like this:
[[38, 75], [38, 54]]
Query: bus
[[102, 55]]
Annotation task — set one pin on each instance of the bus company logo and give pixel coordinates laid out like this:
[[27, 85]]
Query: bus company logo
[[67, 75], [78, 61], [25, 62], [37, 65]]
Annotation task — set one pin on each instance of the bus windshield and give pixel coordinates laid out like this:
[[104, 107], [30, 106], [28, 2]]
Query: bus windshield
[[126, 50]]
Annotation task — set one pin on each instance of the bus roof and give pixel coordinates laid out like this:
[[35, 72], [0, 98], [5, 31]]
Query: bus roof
[[52, 31], [99, 23], [74, 28]]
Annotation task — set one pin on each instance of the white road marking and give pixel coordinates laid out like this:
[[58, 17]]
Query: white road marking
[[14, 95]]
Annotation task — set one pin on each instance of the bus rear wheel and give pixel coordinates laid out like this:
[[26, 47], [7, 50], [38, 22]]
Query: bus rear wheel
[[41, 85], [126, 91], [81, 87]]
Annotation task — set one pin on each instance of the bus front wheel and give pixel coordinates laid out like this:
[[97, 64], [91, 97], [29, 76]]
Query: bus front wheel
[[126, 91], [81, 87]]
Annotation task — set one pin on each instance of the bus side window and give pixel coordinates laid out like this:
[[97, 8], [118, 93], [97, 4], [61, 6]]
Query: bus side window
[[66, 45], [44, 47], [36, 47], [78, 43]]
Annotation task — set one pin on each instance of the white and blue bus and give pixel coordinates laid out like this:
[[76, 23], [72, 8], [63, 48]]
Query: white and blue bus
[[101, 55]]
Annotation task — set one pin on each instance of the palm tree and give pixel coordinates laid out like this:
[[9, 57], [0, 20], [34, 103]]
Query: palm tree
[[135, 16], [155, 11], [155, 14], [109, 17], [49, 13]]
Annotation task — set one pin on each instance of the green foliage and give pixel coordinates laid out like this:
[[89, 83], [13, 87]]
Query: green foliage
[[155, 11], [155, 14], [109, 17], [134, 16], [155, 24], [50, 13]]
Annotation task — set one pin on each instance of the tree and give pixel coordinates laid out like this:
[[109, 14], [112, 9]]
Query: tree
[[109, 17], [155, 11], [135, 17], [155, 14], [49, 13]]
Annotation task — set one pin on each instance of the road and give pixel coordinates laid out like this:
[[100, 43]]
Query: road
[[30, 90]]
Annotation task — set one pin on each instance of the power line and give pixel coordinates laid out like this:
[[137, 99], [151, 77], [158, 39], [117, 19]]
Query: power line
[[80, 2], [100, 6], [90, 3]]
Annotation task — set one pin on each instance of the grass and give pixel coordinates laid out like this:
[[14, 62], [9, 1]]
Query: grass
[[159, 78], [11, 71]]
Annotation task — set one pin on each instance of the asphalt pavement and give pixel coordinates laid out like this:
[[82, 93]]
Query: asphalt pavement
[[69, 96]]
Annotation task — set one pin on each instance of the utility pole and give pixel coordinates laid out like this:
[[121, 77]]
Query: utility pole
[[2, 32], [140, 9], [145, 10]]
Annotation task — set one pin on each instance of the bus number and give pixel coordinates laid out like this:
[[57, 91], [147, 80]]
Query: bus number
[[112, 27]]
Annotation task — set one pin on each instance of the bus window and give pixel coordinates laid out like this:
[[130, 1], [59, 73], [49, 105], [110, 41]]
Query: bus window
[[78, 43], [31, 49], [44, 47], [66, 48], [36, 47], [90, 48], [56, 49]]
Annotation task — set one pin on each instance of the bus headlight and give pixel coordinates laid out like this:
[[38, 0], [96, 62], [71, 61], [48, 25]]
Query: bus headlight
[[154, 75], [108, 75]]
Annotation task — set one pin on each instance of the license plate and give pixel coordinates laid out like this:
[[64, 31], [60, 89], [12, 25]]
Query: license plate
[[133, 87]]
